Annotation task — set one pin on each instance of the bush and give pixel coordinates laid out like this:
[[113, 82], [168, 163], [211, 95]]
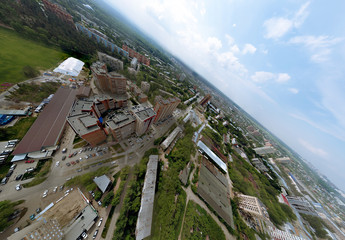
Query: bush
[[107, 199]]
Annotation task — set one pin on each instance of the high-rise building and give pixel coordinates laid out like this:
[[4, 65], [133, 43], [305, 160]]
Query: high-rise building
[[205, 100], [109, 82], [121, 125], [114, 63], [134, 54], [144, 118], [145, 86], [165, 107]]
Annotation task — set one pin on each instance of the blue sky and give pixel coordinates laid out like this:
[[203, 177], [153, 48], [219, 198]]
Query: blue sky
[[281, 61]]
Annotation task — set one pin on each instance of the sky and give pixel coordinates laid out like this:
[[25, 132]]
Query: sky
[[281, 61]]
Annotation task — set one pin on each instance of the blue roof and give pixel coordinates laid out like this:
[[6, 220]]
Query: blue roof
[[213, 156]]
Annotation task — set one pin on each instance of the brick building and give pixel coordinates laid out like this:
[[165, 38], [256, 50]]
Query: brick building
[[121, 125], [58, 11], [165, 107], [134, 54]]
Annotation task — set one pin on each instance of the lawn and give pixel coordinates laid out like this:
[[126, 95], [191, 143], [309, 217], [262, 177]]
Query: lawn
[[198, 224], [17, 53], [17, 131]]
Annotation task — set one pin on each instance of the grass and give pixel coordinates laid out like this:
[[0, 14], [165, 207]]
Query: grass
[[17, 131], [18, 52], [80, 144], [117, 148], [33, 92], [198, 224], [43, 170]]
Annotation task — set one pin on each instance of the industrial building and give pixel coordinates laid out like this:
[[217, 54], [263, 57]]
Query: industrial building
[[144, 118], [264, 150], [165, 107], [301, 205], [144, 222], [172, 136], [212, 157], [214, 188], [71, 66], [121, 125], [43, 136], [205, 100]]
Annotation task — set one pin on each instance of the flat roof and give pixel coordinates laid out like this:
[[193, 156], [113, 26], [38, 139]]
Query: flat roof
[[83, 123], [213, 156], [144, 222], [48, 126], [213, 191], [120, 120], [143, 113]]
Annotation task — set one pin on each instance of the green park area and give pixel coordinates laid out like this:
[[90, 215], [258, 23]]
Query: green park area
[[22, 58]]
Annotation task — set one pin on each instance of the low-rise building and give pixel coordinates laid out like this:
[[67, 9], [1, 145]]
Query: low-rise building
[[264, 150], [102, 182], [114, 63], [166, 143]]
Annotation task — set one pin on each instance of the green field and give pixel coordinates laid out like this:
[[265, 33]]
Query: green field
[[17, 52]]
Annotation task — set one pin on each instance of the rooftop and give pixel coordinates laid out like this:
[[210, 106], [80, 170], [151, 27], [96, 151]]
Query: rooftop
[[213, 156], [119, 120], [102, 182], [71, 66], [83, 123], [144, 222], [48, 126], [143, 113]]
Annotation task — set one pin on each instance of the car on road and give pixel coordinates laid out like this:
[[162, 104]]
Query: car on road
[[100, 222], [45, 193], [19, 177], [95, 234], [18, 187]]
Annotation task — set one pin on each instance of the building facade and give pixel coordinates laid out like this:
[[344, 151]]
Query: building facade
[[145, 87], [205, 100], [144, 119], [134, 54], [121, 126], [114, 63], [165, 107]]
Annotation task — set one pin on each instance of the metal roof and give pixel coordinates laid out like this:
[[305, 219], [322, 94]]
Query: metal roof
[[102, 182], [48, 126], [213, 156]]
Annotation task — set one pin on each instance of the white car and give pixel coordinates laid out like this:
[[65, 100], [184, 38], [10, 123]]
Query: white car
[[84, 235], [57, 163], [18, 187], [45, 193], [55, 189], [100, 222]]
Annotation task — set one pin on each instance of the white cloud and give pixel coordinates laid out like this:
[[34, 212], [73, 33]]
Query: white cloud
[[293, 90], [277, 27], [248, 48], [261, 77], [315, 150], [283, 77], [213, 44], [235, 49], [320, 47], [230, 39], [234, 25]]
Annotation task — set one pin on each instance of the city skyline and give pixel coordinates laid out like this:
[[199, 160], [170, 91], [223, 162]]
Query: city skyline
[[281, 56]]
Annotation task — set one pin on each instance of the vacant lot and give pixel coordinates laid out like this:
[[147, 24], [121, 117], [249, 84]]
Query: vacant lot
[[17, 53], [17, 131]]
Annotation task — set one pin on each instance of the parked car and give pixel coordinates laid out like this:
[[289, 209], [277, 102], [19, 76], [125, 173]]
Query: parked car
[[9, 173], [64, 150], [63, 158], [29, 161], [13, 166], [57, 163], [95, 234], [68, 164], [100, 222], [19, 177], [18, 187], [32, 217], [4, 180]]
